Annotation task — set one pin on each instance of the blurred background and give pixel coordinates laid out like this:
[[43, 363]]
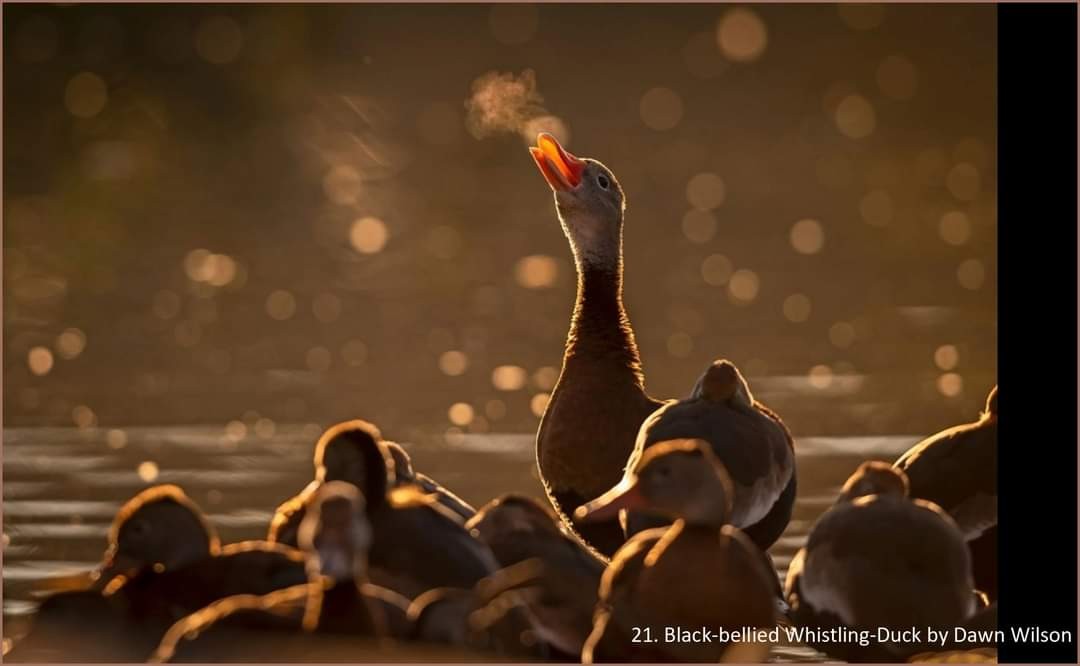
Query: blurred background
[[277, 214], [227, 227]]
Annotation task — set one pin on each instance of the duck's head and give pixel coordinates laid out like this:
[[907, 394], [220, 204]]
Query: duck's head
[[874, 478], [511, 516], [723, 383], [588, 198], [354, 452], [335, 533], [160, 528], [680, 478]]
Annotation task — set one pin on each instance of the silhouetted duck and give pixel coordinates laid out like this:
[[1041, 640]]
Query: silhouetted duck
[[589, 427], [493, 616], [698, 572], [879, 559], [404, 474], [754, 446], [518, 529], [418, 544], [337, 598], [957, 470]]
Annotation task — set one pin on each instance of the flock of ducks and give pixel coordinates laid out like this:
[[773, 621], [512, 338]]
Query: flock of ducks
[[661, 516]]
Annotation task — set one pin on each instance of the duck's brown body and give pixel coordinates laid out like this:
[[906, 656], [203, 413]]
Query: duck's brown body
[[680, 576], [591, 422]]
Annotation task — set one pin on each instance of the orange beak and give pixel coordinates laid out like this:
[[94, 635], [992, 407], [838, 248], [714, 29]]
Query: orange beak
[[561, 170], [626, 495]]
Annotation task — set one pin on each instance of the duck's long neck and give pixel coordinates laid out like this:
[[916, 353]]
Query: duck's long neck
[[600, 332]]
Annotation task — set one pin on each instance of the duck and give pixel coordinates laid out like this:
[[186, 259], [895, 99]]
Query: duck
[[405, 474], [754, 445], [957, 470], [700, 571], [518, 529], [492, 617], [590, 425], [878, 558], [418, 544], [337, 597]]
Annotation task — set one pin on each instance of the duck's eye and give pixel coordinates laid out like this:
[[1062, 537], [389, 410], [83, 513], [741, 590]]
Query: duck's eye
[[603, 181]]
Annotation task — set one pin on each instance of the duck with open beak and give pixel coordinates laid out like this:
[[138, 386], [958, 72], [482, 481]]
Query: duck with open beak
[[562, 170]]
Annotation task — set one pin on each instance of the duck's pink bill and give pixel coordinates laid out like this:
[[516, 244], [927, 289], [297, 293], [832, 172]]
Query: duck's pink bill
[[626, 495], [560, 169]]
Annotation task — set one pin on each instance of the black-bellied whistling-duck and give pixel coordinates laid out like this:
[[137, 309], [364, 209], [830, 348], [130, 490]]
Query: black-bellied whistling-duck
[[880, 559], [418, 544], [591, 422], [492, 616], [404, 474], [753, 444], [957, 470], [698, 572], [336, 599], [518, 529]]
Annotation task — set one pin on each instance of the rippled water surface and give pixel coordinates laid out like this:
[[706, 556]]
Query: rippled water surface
[[62, 487]]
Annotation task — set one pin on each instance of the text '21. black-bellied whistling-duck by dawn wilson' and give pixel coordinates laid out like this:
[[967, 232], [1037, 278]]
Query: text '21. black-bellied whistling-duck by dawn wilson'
[[418, 543], [591, 422], [698, 572], [880, 559], [957, 470]]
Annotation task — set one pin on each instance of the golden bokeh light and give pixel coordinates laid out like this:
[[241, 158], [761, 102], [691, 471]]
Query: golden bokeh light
[[342, 184], [369, 235], [897, 78], [219, 40], [743, 286], [947, 357], [147, 471], [70, 343], [807, 236], [453, 363], [950, 384], [318, 359], [842, 334], [820, 377], [281, 304], [116, 439], [963, 181], [83, 417], [235, 430], [861, 16], [461, 413], [354, 352], [680, 344], [661, 108], [855, 117], [699, 226], [40, 360], [545, 378], [85, 95], [797, 308], [716, 270], [954, 228], [536, 271], [876, 208], [509, 377], [741, 35], [705, 191], [971, 274], [513, 24], [539, 403], [326, 307], [265, 428]]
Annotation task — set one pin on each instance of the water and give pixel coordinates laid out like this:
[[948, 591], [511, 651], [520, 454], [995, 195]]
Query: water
[[63, 485]]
